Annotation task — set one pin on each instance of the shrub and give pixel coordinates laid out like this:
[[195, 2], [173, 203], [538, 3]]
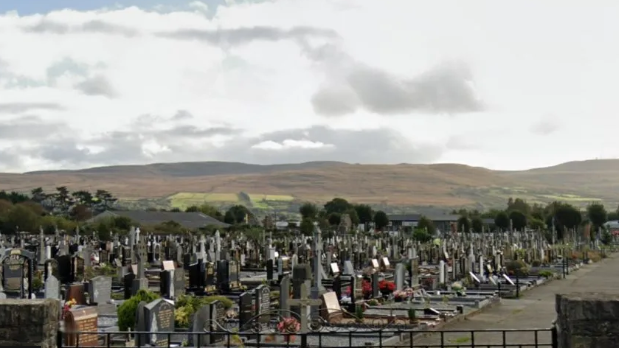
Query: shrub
[[517, 268], [186, 306], [536, 263], [126, 311], [546, 274]]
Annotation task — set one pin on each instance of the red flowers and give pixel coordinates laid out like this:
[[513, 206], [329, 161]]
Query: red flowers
[[385, 286], [366, 289]]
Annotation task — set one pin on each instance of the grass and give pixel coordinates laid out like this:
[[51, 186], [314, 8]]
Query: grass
[[255, 197], [183, 200]]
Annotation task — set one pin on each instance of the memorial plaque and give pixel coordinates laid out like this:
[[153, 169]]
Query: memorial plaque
[[159, 320], [81, 327], [375, 263], [168, 265], [386, 262], [13, 273], [335, 269], [330, 309]]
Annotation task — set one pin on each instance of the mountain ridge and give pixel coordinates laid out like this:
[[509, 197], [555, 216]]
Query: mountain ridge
[[440, 184]]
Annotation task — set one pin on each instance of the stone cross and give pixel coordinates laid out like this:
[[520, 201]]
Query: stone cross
[[304, 302], [141, 258]]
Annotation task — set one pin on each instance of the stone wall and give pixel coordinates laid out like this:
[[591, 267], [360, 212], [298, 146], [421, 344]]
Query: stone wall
[[587, 320], [29, 323]]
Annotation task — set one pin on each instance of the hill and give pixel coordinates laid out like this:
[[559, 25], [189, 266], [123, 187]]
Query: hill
[[280, 186]]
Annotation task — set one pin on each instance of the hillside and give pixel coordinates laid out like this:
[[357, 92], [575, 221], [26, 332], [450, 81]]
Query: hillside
[[279, 186]]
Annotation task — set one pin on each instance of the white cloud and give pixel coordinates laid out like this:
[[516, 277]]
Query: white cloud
[[291, 144], [382, 81]]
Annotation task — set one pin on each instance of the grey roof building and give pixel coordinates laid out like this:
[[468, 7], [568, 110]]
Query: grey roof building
[[191, 220]]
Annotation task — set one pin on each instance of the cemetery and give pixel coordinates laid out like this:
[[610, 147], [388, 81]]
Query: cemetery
[[214, 290]]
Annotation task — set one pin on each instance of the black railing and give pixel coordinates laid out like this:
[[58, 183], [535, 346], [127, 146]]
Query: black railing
[[529, 338]]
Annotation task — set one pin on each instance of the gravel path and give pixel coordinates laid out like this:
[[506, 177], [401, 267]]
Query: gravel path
[[535, 310]]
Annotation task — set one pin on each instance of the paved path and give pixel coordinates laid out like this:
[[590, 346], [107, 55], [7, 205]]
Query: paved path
[[535, 310]]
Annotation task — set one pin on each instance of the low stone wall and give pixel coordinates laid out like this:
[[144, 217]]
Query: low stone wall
[[29, 323], [587, 320]]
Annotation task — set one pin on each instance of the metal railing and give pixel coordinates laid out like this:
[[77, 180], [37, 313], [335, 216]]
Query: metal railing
[[521, 338]]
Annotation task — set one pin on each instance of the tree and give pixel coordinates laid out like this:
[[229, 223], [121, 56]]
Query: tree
[[307, 227], [364, 212], [464, 224], [427, 225], [421, 236], [502, 220], [24, 218], [518, 205], [354, 218], [335, 219], [597, 214], [381, 220], [337, 205], [308, 211], [518, 220], [477, 224], [237, 214], [564, 216]]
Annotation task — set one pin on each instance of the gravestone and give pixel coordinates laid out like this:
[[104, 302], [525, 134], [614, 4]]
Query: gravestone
[[218, 319], [166, 284], [179, 282], [83, 320], [247, 310], [263, 304], [52, 288], [76, 292], [399, 276], [201, 323], [211, 285], [127, 284], [100, 289], [159, 319], [284, 295]]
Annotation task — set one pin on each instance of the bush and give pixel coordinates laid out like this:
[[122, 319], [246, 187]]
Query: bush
[[546, 274], [186, 306], [536, 263], [517, 268], [37, 281], [126, 311]]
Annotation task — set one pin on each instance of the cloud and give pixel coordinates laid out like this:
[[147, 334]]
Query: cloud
[[445, 89], [46, 26], [241, 36], [17, 108], [545, 127], [96, 85], [293, 81]]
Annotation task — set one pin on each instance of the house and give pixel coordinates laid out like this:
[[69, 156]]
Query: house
[[191, 220], [441, 222]]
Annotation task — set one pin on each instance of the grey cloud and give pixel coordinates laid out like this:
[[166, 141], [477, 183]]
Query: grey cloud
[[182, 115], [545, 127], [461, 143], [28, 127], [17, 108], [95, 26], [443, 90], [95, 86], [124, 147], [240, 36]]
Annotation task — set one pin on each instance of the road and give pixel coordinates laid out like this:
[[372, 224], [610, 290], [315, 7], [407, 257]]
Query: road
[[534, 310]]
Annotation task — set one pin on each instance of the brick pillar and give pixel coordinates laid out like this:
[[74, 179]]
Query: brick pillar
[[29, 323], [587, 320]]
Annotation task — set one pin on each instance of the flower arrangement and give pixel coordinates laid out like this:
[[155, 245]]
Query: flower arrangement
[[347, 292], [401, 295], [67, 306], [386, 287], [366, 289], [288, 325]]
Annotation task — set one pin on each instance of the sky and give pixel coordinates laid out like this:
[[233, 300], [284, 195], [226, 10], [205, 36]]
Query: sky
[[505, 85]]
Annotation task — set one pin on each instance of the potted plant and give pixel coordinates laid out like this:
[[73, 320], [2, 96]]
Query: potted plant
[[67, 306], [412, 316]]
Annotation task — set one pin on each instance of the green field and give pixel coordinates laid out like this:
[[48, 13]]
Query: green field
[[262, 201], [182, 200]]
